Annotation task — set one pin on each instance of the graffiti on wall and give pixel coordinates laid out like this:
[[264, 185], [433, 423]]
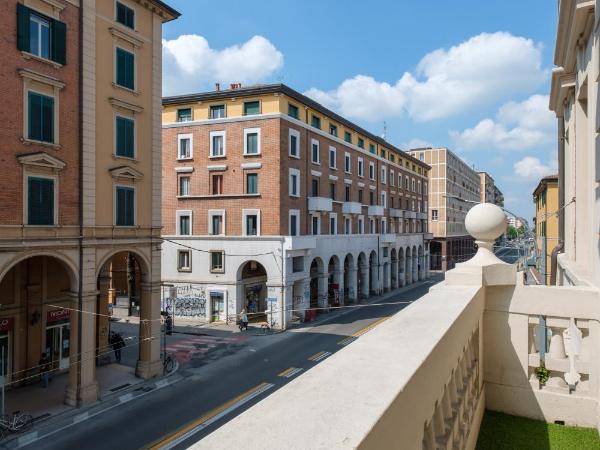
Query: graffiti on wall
[[185, 301]]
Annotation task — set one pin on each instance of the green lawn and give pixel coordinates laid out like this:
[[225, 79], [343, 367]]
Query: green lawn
[[501, 431]]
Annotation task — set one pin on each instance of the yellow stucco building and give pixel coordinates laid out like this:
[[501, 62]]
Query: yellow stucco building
[[545, 197]]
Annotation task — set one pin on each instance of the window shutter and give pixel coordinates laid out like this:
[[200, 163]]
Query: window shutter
[[47, 119], [120, 206], [130, 207], [47, 199], [33, 211], [59, 42], [35, 117], [23, 39]]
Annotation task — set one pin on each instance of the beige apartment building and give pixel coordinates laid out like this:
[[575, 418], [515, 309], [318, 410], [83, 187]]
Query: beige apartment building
[[454, 188], [81, 168], [545, 197], [487, 191], [275, 204]]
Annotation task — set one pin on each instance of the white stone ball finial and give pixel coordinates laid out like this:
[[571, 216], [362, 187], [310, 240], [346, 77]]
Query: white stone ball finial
[[485, 222]]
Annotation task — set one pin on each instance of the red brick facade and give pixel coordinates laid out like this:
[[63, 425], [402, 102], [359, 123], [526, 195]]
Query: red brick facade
[[12, 118]]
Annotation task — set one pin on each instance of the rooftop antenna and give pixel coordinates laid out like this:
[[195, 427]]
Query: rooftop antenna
[[383, 136]]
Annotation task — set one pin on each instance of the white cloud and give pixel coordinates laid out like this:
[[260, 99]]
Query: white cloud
[[481, 70], [517, 126], [533, 169], [415, 143], [189, 64]]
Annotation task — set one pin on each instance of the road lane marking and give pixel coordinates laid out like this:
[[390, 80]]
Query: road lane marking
[[370, 327], [187, 431], [285, 372], [347, 341], [319, 356], [289, 373]]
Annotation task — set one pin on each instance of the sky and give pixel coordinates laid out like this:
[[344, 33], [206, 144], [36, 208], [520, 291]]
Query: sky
[[469, 75]]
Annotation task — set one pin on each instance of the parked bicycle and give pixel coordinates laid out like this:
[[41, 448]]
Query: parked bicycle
[[168, 363], [16, 423]]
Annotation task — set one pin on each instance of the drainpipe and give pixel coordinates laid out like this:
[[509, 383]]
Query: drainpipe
[[80, 186]]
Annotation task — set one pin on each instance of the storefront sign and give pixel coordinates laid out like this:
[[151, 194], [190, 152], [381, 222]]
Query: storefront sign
[[215, 293], [7, 324], [58, 316]]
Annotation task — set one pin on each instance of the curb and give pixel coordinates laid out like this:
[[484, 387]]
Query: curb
[[64, 420]]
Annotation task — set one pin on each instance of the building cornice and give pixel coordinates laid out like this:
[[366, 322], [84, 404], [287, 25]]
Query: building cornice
[[41, 78], [41, 159]]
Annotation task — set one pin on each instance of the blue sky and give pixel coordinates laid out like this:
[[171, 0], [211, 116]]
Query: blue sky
[[469, 75]]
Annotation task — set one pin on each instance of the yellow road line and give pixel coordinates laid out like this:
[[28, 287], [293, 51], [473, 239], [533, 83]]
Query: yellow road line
[[191, 425], [315, 356], [286, 372], [370, 327]]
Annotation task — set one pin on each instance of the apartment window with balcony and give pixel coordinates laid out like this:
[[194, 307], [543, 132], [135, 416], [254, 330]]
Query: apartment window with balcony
[[217, 112], [252, 141], [360, 143], [41, 35], [184, 115], [184, 186], [371, 198], [315, 121], [124, 206], [414, 185], [413, 205], [294, 222], [251, 220], [125, 137], [184, 223], [348, 137], [184, 146], [333, 130], [40, 117], [392, 179], [40, 201], [184, 260], [361, 167], [372, 148], [384, 199], [217, 261], [251, 108], [294, 183], [372, 229], [332, 157], [406, 181], [314, 188], [217, 144], [361, 225], [293, 111], [347, 225], [125, 15], [360, 196], [216, 222], [384, 230], [383, 174], [347, 193], [216, 184], [294, 143], [316, 225], [347, 163], [332, 191], [315, 157], [251, 183], [419, 187], [333, 223], [372, 171], [125, 68]]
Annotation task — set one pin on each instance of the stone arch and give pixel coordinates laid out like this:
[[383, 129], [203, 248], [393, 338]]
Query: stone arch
[[251, 277], [415, 264], [73, 271], [335, 281], [363, 276], [421, 263], [349, 278], [408, 266], [394, 269], [373, 273], [401, 268], [318, 283]]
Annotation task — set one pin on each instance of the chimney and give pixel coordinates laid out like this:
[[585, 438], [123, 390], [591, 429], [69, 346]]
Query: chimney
[[217, 87]]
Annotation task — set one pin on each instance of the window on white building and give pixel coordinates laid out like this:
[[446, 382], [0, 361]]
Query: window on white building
[[294, 223], [184, 146], [184, 260], [294, 143], [217, 144], [294, 182]]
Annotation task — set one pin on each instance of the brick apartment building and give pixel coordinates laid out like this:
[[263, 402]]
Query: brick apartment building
[[78, 198], [272, 202], [454, 189]]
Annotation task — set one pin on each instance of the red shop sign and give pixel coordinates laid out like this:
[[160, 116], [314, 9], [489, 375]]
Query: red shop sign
[[7, 324], [58, 315]]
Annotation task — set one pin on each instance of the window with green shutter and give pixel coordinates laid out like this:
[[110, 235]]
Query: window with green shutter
[[348, 136], [41, 35], [125, 69], [361, 143], [41, 117], [125, 206], [40, 201], [252, 183], [251, 108], [293, 111], [316, 122], [125, 15], [125, 141]]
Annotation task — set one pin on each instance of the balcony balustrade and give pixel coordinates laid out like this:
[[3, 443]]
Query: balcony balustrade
[[320, 204]]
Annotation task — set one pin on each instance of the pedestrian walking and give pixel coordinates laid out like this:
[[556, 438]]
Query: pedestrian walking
[[45, 365], [117, 343], [243, 320]]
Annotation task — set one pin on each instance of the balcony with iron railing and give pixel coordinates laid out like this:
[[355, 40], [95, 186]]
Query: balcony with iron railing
[[423, 379]]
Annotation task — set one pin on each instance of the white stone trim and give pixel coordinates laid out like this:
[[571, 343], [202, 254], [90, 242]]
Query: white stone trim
[[315, 173], [347, 181], [178, 214], [293, 171], [296, 134], [250, 166], [184, 169], [248, 131], [217, 212], [213, 134], [181, 137], [251, 212], [333, 177], [217, 168]]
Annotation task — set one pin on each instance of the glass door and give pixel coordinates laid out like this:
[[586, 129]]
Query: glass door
[[58, 345], [5, 347], [218, 307]]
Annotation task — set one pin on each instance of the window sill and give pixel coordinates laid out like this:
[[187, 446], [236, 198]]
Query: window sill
[[126, 89], [27, 141], [217, 157], [40, 226], [185, 159], [252, 154], [128, 158], [28, 55], [332, 168], [217, 271], [203, 197], [126, 227], [184, 270], [316, 163], [294, 156]]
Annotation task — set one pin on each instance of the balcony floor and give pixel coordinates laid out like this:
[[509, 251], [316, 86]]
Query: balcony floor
[[501, 431]]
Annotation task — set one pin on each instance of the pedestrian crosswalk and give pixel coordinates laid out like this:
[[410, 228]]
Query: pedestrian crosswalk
[[195, 347]]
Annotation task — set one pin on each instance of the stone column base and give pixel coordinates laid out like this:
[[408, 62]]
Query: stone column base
[[87, 395], [148, 369]]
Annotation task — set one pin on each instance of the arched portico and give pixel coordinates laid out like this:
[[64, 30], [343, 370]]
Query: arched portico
[[335, 282], [363, 276], [318, 284], [401, 268], [350, 279], [373, 274], [394, 269], [408, 272], [415, 265]]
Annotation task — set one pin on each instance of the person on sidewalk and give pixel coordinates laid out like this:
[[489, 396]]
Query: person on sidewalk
[[243, 320], [117, 344], [45, 365]]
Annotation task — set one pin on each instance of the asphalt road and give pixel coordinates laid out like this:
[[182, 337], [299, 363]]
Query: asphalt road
[[214, 393], [510, 254]]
